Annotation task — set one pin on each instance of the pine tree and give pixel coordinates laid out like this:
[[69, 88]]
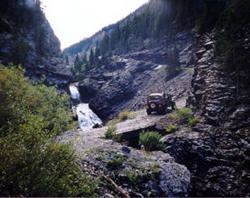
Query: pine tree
[[91, 58], [173, 63], [77, 65], [67, 60]]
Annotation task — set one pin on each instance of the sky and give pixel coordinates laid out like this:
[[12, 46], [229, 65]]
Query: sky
[[74, 20]]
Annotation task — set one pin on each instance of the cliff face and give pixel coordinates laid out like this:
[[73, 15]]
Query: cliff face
[[27, 38], [216, 150]]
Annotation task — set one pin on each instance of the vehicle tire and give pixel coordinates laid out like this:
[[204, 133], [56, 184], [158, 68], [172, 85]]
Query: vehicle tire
[[173, 106], [163, 112], [148, 112]]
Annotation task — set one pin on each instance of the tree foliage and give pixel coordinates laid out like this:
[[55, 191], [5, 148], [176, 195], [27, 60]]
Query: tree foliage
[[32, 163]]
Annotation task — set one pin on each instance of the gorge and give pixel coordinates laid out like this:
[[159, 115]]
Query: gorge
[[196, 51]]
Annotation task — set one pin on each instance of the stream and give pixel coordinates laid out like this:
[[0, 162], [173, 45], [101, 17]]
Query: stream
[[86, 117]]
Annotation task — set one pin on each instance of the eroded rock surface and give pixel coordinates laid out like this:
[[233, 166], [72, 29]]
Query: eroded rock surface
[[138, 172], [216, 151]]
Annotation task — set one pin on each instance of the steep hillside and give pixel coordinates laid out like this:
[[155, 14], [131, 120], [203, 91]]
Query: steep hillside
[[118, 67], [26, 38]]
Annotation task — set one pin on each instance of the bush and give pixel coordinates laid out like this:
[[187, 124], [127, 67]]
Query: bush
[[116, 161], [171, 128], [123, 116], [183, 115], [192, 122], [151, 141], [110, 132], [32, 163]]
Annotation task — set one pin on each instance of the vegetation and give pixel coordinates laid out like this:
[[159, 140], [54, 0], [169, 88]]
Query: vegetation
[[116, 161], [173, 68], [124, 115], [182, 115], [110, 132], [232, 30], [79, 68], [20, 20], [32, 163], [141, 173], [151, 141], [171, 128], [156, 20], [193, 121]]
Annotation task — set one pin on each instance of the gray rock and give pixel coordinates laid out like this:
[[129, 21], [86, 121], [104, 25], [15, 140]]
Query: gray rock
[[175, 180]]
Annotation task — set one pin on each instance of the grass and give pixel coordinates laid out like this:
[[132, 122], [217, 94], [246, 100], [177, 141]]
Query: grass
[[116, 161], [123, 116], [190, 70], [183, 115], [151, 141], [109, 134], [172, 128], [192, 122]]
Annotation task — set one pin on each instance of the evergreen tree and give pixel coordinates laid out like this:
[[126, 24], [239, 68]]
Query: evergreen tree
[[77, 64], [173, 63], [91, 57], [67, 60]]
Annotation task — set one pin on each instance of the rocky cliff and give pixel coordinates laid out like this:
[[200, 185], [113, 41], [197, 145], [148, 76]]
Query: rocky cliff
[[216, 151], [27, 38]]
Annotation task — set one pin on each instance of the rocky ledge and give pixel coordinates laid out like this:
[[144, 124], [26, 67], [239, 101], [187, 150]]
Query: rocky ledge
[[137, 172]]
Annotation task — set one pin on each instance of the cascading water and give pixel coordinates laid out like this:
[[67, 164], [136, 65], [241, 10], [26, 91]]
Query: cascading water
[[86, 117]]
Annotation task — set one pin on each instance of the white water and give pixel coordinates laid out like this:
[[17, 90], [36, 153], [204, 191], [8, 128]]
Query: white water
[[74, 92], [86, 117]]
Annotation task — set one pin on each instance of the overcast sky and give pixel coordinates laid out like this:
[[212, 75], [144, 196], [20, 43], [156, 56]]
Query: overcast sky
[[73, 20]]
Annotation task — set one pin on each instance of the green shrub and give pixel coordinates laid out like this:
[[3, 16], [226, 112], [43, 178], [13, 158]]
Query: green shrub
[[110, 132], [124, 115], [183, 115], [151, 141], [116, 161], [117, 137], [171, 128], [32, 163], [192, 122], [132, 175]]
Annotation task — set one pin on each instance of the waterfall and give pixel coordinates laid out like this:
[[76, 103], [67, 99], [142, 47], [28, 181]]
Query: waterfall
[[74, 92], [86, 117]]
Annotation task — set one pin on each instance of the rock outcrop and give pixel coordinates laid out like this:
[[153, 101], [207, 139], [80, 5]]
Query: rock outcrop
[[216, 151], [139, 173], [27, 38]]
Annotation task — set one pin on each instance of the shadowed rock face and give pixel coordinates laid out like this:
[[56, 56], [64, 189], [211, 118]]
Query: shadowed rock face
[[27, 38], [217, 150]]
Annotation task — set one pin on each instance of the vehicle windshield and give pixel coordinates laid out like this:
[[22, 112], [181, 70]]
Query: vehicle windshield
[[154, 98]]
